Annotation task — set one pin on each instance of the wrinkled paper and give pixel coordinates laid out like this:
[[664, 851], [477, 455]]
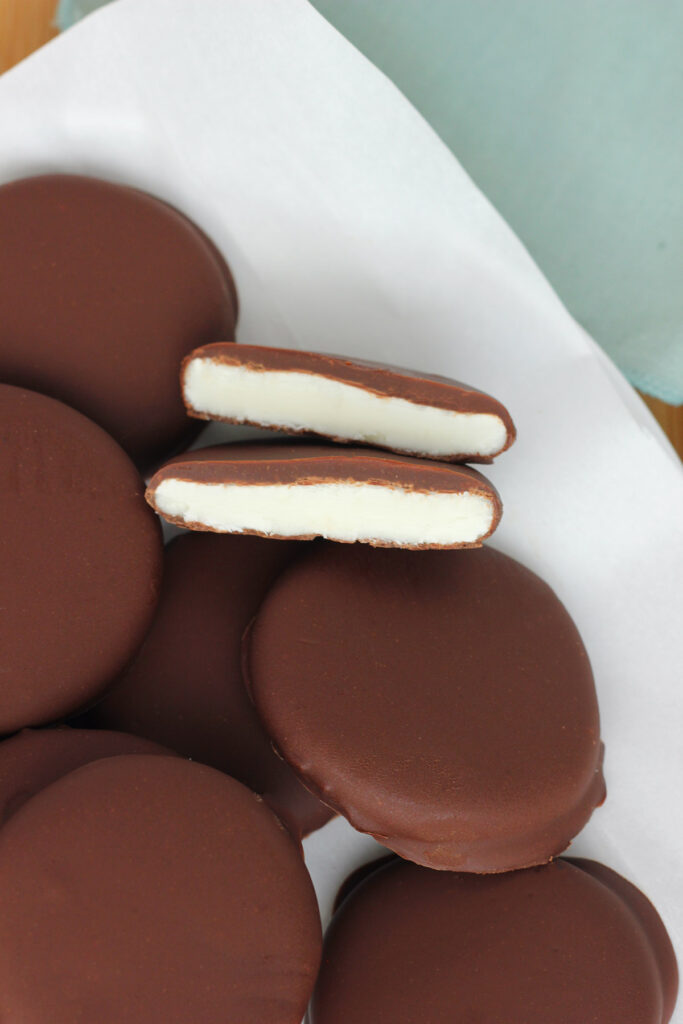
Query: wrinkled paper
[[351, 228]]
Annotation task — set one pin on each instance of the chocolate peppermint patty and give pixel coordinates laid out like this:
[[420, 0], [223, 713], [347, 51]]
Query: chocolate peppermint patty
[[34, 758], [345, 399], [103, 290], [442, 701], [566, 943], [151, 889], [185, 689], [80, 554], [301, 491]]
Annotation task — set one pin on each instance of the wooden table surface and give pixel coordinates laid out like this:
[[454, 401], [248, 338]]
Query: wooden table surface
[[24, 26], [27, 24]]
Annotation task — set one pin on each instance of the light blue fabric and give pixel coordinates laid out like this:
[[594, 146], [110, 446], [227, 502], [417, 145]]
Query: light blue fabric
[[71, 11], [569, 115]]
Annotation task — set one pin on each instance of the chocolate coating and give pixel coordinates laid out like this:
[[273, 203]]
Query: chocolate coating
[[305, 463], [352, 881], [185, 689], [442, 701], [380, 379], [103, 290], [35, 758], [150, 889], [552, 945], [648, 919], [80, 558]]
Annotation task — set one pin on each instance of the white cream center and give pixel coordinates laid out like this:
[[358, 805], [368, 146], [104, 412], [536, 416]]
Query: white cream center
[[338, 511], [307, 401]]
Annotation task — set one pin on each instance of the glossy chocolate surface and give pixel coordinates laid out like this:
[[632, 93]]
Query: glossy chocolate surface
[[650, 922], [80, 557], [103, 290], [150, 889], [34, 758], [442, 701], [560, 944], [185, 690]]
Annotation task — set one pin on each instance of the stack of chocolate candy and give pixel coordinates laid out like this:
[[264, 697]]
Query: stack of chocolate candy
[[330, 636]]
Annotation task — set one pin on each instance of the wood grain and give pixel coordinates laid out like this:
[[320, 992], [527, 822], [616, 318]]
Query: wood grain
[[670, 417], [24, 26], [27, 24]]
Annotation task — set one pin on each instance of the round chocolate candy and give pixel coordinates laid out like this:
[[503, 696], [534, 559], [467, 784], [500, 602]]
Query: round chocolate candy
[[80, 558], [103, 291], [442, 701], [566, 943], [34, 758], [150, 889], [185, 688]]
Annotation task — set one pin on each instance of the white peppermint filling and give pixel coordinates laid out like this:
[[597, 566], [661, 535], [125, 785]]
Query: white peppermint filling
[[306, 401], [338, 511]]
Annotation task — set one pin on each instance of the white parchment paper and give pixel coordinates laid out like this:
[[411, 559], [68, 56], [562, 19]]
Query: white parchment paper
[[351, 228]]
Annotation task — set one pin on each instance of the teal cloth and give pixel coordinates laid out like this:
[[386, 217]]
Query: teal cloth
[[569, 115], [71, 11]]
